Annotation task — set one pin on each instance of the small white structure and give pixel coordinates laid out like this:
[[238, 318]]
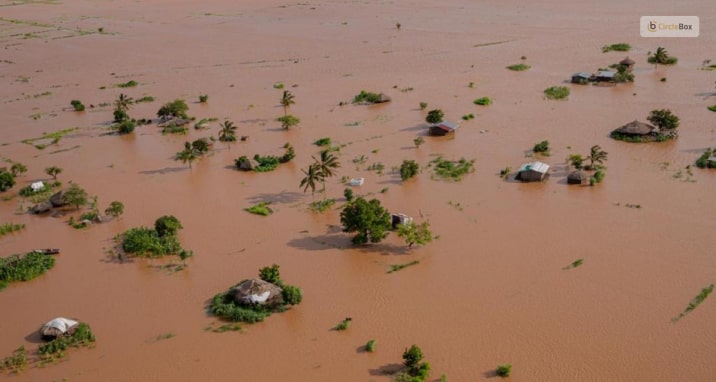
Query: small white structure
[[57, 327], [37, 186], [398, 219], [532, 172], [356, 182]]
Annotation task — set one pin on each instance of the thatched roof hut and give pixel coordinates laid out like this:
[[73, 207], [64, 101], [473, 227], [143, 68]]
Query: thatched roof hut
[[628, 62], [58, 199], [577, 177], [636, 128], [57, 327], [258, 292]]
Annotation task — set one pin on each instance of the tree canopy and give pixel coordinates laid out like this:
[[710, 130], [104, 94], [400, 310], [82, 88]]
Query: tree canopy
[[663, 119], [368, 218], [174, 109]]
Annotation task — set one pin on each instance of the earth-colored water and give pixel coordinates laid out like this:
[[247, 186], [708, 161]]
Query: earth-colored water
[[490, 290]]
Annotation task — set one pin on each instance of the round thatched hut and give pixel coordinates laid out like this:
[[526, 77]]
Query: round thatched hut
[[258, 292], [58, 327], [636, 128], [628, 62], [577, 177]]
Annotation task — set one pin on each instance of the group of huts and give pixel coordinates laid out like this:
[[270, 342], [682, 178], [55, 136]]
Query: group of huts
[[602, 76]]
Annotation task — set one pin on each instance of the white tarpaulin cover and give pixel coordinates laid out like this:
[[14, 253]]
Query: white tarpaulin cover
[[61, 324], [37, 186], [259, 298]]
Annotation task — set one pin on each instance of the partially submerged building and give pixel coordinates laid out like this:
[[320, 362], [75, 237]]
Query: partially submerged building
[[443, 128], [532, 172]]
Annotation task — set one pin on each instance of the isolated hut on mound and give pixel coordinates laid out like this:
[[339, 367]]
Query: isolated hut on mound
[[58, 327], [636, 129], [443, 128], [258, 292], [577, 177], [628, 62], [532, 172]]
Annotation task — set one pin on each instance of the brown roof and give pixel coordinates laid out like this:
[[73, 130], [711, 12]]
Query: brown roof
[[627, 61], [247, 292], [636, 128]]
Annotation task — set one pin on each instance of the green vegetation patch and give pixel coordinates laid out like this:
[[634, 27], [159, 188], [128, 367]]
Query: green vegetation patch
[[128, 84], [556, 92], [82, 336], [397, 267], [48, 138], [451, 170], [712, 108], [367, 97], [704, 162], [321, 205], [24, 267], [323, 141], [144, 99], [483, 101], [618, 47], [574, 264], [16, 362], [7, 228], [519, 67], [261, 208], [696, 301], [343, 325]]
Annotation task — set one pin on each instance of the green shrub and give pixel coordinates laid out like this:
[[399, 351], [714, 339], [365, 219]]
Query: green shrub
[[7, 228], [418, 141], [175, 129], [451, 170], [348, 193], [323, 141], [266, 163], [203, 98], [504, 370], [224, 305], [24, 267], [408, 169], [663, 119], [278, 85], [321, 205], [167, 225], [712, 108], [343, 325], [146, 242], [367, 97], [423, 105], [370, 346], [260, 208], [542, 147], [120, 115], [484, 101], [16, 362], [519, 67], [144, 99], [271, 274], [288, 121], [704, 162], [292, 295], [128, 84], [505, 172], [696, 301], [599, 176], [176, 108], [556, 92], [667, 61], [619, 47], [125, 127], [435, 116], [468, 117], [289, 154], [7, 180], [77, 105]]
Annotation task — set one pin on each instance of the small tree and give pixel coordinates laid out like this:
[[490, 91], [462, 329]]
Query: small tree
[[17, 169], [576, 160], [115, 209], [412, 357], [126, 126], [75, 195], [200, 146], [415, 234], [270, 274], [167, 225], [292, 295], [418, 141], [504, 370], [663, 119], [408, 169], [312, 176], [123, 102], [434, 116], [189, 154], [53, 171], [227, 133], [174, 109], [542, 147], [368, 218], [596, 155], [288, 121], [7, 180], [286, 101]]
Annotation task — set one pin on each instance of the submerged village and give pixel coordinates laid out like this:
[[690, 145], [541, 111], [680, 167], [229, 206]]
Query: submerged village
[[341, 193]]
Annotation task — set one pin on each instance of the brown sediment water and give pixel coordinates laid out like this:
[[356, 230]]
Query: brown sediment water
[[490, 290]]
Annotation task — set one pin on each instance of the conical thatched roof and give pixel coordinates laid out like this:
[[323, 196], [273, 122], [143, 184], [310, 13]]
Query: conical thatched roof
[[627, 61], [58, 199], [257, 291], [57, 327], [636, 128], [576, 177]]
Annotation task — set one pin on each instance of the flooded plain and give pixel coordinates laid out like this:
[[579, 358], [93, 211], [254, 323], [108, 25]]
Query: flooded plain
[[491, 289]]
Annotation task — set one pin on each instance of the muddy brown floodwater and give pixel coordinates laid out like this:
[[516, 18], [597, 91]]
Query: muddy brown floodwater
[[490, 290]]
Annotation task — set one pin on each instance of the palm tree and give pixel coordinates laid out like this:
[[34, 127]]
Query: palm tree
[[123, 102], [596, 155], [186, 155], [326, 164], [286, 101], [227, 132], [313, 175], [660, 57]]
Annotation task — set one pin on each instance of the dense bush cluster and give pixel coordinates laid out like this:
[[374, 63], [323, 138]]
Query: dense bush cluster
[[24, 267]]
